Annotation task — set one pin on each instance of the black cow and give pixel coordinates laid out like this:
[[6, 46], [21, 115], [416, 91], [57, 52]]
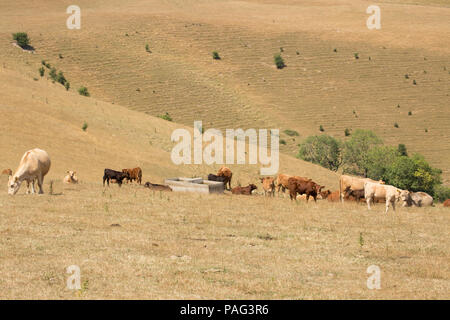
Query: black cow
[[117, 175], [213, 177]]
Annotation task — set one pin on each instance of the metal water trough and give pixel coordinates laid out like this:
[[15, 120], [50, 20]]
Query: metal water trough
[[194, 185]]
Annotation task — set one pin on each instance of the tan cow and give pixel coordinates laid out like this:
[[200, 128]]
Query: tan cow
[[34, 165], [70, 178], [226, 172], [268, 185], [347, 183], [418, 199], [373, 190]]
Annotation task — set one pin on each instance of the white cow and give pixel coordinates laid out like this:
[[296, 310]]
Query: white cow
[[418, 199], [374, 190], [70, 177], [34, 165]]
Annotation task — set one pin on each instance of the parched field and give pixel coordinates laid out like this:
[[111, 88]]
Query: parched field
[[134, 243]]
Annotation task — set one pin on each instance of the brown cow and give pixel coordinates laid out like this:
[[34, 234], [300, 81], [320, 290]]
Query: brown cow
[[244, 190], [7, 172], [308, 187], [447, 203], [157, 187], [268, 186], [325, 194], [334, 196], [283, 179], [134, 174], [225, 172]]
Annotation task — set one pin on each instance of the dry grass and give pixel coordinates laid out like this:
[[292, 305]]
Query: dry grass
[[182, 246]]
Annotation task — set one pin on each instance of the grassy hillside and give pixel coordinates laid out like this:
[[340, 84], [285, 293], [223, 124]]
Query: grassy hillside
[[244, 89], [43, 114]]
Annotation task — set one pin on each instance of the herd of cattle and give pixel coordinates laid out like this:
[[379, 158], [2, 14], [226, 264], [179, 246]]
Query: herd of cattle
[[35, 164]]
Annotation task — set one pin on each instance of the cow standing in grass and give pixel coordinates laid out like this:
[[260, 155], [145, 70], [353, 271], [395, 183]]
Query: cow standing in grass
[[133, 174], [33, 166], [268, 186], [117, 175], [373, 190], [226, 172]]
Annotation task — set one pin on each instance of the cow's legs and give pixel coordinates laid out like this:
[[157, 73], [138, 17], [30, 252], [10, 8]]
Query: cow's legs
[[40, 181], [368, 200], [28, 187]]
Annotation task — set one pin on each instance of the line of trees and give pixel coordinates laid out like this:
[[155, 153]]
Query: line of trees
[[365, 154]]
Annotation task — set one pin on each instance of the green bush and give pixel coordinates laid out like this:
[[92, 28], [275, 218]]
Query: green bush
[[60, 78], [396, 125], [147, 48], [291, 133], [279, 62], [83, 91], [347, 132], [21, 39], [215, 55], [53, 74], [67, 85], [165, 116], [402, 150], [323, 150], [356, 55], [441, 193], [41, 71], [321, 128], [414, 174], [85, 126], [282, 141], [355, 151]]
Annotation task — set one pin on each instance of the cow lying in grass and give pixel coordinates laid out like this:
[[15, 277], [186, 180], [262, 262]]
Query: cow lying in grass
[[157, 187], [70, 178], [117, 175], [244, 190], [418, 199]]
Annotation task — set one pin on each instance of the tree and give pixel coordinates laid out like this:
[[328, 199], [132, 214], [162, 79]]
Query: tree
[[279, 62], [21, 39], [355, 151], [323, 150], [379, 159], [414, 174], [83, 91]]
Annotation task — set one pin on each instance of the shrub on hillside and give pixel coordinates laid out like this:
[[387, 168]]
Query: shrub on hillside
[[53, 74], [279, 62], [402, 150], [67, 85], [21, 39], [165, 116], [83, 91], [321, 128], [85, 126], [347, 132], [60, 78], [215, 55], [291, 133], [41, 71]]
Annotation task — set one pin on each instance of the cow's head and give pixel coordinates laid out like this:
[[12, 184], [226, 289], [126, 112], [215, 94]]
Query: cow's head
[[252, 187], [405, 196], [13, 185]]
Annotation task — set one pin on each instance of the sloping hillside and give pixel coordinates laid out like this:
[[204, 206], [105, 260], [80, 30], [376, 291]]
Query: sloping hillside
[[319, 86], [43, 114]]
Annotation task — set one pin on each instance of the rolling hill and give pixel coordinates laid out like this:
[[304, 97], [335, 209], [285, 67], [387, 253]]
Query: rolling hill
[[323, 83]]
